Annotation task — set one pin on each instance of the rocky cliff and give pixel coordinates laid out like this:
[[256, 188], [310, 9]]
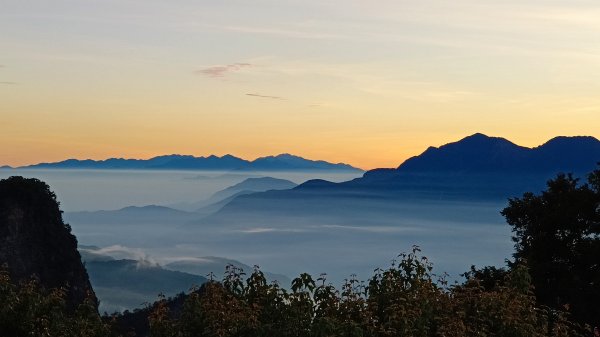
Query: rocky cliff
[[36, 243]]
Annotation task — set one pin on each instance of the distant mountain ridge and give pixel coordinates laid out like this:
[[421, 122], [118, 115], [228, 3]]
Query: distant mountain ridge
[[281, 162], [248, 186], [150, 214], [475, 168], [251, 185], [481, 154]]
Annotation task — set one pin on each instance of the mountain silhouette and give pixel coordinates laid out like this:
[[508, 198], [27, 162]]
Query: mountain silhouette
[[287, 161], [282, 162], [475, 168], [151, 214], [480, 154], [252, 185], [476, 153]]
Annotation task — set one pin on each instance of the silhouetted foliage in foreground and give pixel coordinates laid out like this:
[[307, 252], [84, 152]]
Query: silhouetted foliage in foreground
[[27, 309], [404, 300], [558, 234]]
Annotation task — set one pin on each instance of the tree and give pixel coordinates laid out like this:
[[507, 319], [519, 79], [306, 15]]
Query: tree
[[557, 233]]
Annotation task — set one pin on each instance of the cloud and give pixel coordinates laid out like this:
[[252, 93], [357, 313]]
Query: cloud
[[265, 96], [287, 33], [8, 83], [261, 230], [376, 229], [206, 260], [221, 71], [123, 252]]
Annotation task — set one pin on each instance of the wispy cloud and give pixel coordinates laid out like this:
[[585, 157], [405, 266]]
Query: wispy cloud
[[375, 229], [123, 252], [287, 33], [206, 259], [265, 96], [260, 230], [8, 83], [222, 70]]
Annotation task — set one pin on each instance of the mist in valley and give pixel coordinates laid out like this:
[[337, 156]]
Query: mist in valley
[[337, 236]]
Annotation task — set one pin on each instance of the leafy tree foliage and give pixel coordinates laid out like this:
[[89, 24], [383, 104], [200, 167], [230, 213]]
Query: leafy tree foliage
[[28, 310], [558, 234], [403, 300]]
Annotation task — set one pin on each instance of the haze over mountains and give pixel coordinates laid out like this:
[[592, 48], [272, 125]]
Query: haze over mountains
[[178, 213], [281, 162], [477, 168], [447, 200], [122, 283], [222, 197]]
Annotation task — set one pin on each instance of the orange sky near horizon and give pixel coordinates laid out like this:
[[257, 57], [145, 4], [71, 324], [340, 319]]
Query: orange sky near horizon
[[342, 81], [379, 158]]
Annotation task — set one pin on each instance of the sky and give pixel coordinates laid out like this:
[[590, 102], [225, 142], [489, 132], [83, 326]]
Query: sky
[[369, 83]]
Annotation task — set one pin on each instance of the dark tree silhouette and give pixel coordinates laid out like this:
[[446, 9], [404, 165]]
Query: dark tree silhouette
[[558, 234]]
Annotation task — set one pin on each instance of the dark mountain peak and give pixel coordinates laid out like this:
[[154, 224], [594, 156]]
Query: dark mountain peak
[[35, 242], [477, 152], [282, 156], [566, 141], [286, 161], [250, 185], [287, 156], [569, 154], [315, 184], [477, 144], [483, 141], [259, 180], [477, 136], [261, 184], [165, 157]]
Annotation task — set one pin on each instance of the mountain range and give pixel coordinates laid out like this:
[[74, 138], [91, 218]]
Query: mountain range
[[282, 162], [481, 157], [479, 153], [475, 168]]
